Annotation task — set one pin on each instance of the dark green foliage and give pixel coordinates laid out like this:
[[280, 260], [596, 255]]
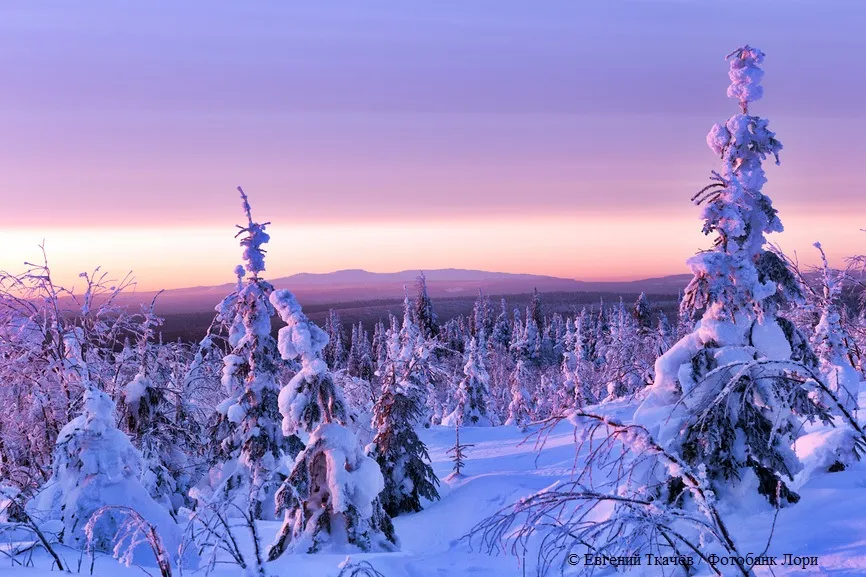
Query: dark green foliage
[[402, 455]]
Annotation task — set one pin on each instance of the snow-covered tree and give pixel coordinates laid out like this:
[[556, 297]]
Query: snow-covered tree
[[95, 465], [472, 401], [425, 316], [148, 414], [401, 455], [482, 319], [520, 405], [335, 351], [501, 335], [54, 340], [250, 446], [730, 396], [360, 360], [830, 339], [534, 312], [664, 335], [643, 313], [330, 498]]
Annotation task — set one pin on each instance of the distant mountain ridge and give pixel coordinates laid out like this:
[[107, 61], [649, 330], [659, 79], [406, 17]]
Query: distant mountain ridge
[[357, 285]]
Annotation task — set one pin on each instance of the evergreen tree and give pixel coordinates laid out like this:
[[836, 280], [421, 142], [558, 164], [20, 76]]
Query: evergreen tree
[[529, 345], [335, 351], [664, 335], [360, 360], [472, 393], [520, 406], [250, 446], [330, 498], [149, 423], [501, 335], [379, 347], [535, 312], [830, 339], [96, 466], [643, 314], [401, 455], [482, 319], [426, 318], [730, 396]]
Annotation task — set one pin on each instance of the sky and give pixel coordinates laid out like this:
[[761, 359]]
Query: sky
[[558, 137]]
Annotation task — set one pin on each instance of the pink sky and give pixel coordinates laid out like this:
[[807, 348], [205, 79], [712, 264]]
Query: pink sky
[[561, 139]]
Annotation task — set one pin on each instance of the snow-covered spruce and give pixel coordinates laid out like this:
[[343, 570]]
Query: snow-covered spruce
[[95, 466], [330, 499], [830, 339], [401, 455], [519, 406], [472, 401], [335, 353], [643, 313], [246, 433], [147, 415], [730, 396], [845, 444], [425, 316], [360, 361]]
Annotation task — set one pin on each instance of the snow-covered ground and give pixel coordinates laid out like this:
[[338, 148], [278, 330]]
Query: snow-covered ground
[[828, 523]]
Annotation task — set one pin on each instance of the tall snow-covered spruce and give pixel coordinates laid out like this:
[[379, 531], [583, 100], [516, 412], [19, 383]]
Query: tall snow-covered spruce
[[730, 397], [330, 500], [401, 455], [249, 443]]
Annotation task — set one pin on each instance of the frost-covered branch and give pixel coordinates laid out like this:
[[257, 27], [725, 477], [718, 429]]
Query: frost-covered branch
[[608, 509]]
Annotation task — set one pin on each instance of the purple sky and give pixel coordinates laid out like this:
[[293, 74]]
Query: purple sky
[[145, 115]]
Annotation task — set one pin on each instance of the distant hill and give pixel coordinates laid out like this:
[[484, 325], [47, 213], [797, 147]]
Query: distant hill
[[357, 285]]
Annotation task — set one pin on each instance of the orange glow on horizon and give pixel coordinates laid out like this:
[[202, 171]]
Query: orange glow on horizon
[[584, 247]]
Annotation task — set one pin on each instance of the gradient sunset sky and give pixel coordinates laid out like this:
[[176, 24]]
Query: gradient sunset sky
[[556, 137]]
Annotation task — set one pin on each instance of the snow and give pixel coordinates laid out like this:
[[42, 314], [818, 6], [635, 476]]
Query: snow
[[745, 74], [359, 486], [769, 340], [136, 388], [501, 468], [95, 466]]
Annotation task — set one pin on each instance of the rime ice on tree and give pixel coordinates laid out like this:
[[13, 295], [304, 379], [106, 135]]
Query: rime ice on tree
[[730, 395], [472, 401], [95, 465], [330, 499], [247, 433]]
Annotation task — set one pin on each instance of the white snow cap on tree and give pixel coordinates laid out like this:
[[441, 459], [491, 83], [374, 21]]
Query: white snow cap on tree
[[329, 499], [299, 338], [254, 254], [745, 75], [95, 465]]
